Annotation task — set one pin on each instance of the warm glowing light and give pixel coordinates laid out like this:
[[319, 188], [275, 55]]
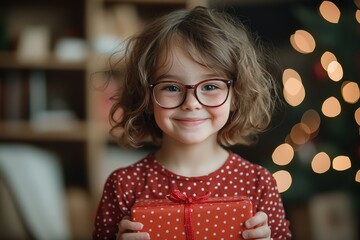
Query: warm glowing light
[[326, 59], [357, 116], [329, 11], [350, 92], [312, 120], [357, 3], [335, 71], [293, 86], [331, 107], [341, 163], [294, 45], [283, 154], [296, 99], [321, 163], [283, 180], [299, 133], [302, 41], [357, 16], [357, 177], [290, 73]]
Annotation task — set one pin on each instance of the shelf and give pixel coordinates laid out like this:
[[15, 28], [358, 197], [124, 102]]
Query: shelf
[[9, 60], [152, 2], [22, 130]]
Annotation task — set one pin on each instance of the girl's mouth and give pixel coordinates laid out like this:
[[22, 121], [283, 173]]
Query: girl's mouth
[[189, 122]]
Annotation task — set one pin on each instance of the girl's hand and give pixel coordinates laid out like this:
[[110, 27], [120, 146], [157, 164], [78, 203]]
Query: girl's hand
[[126, 227], [259, 228]]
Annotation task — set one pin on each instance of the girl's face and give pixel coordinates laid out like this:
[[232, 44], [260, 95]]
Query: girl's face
[[191, 122]]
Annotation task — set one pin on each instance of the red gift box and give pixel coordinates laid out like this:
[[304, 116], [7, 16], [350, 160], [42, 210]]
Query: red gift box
[[188, 218]]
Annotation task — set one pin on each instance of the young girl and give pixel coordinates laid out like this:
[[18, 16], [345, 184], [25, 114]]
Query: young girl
[[194, 84]]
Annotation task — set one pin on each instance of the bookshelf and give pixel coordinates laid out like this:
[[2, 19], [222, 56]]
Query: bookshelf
[[47, 98]]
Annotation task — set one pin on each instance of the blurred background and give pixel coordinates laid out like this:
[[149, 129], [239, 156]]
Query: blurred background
[[55, 150]]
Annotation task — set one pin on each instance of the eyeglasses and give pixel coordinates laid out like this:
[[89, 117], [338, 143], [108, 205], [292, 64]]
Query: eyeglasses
[[209, 93]]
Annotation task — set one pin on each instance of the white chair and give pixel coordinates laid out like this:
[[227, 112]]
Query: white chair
[[34, 180]]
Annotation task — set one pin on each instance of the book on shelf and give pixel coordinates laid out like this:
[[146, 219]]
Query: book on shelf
[[15, 99], [37, 95]]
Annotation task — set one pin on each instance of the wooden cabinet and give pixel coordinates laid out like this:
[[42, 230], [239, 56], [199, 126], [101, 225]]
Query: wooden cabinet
[[48, 50]]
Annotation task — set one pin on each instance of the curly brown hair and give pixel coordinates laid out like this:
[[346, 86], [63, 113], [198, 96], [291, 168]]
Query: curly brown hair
[[214, 39]]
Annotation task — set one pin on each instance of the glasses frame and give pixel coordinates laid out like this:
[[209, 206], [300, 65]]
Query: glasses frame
[[228, 82]]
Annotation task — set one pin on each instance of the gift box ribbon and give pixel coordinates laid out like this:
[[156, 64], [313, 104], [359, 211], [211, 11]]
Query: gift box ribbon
[[179, 197]]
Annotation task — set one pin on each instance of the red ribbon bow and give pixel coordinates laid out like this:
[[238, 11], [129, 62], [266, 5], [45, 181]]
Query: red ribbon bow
[[179, 197]]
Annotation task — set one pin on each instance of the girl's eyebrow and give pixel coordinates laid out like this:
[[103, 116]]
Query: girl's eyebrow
[[204, 77], [166, 76]]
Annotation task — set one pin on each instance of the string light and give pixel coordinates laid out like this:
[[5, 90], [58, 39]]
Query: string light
[[329, 11], [290, 73], [357, 3], [294, 93], [312, 120], [283, 154], [331, 107], [326, 59], [300, 133], [341, 163], [357, 176], [283, 180], [321, 163], [294, 100], [303, 42], [335, 71], [350, 92], [357, 16], [357, 116]]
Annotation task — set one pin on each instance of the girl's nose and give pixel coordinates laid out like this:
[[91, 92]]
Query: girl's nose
[[191, 102]]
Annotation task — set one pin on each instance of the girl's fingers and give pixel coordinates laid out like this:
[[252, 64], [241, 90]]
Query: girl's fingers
[[135, 236], [259, 219], [126, 225], [125, 228], [262, 232]]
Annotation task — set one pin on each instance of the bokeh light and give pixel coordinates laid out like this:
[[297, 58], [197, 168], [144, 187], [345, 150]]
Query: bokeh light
[[283, 180], [335, 71], [293, 86], [329, 11], [283, 154], [300, 134], [303, 42], [295, 100], [321, 163], [357, 177], [290, 73], [357, 16], [331, 107], [357, 116], [326, 59], [341, 163], [350, 92], [312, 120], [357, 3], [294, 92]]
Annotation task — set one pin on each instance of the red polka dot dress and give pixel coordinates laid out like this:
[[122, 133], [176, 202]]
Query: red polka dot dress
[[147, 179]]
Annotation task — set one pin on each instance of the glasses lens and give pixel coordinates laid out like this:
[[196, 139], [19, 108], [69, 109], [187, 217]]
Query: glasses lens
[[169, 94], [212, 92]]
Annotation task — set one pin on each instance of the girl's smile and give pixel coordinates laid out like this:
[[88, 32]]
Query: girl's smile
[[190, 122]]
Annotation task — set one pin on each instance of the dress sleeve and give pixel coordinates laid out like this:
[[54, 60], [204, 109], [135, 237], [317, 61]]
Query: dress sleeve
[[111, 209], [270, 202]]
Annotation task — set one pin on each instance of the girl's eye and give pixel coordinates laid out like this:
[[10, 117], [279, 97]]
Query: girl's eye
[[171, 88], [209, 87]]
